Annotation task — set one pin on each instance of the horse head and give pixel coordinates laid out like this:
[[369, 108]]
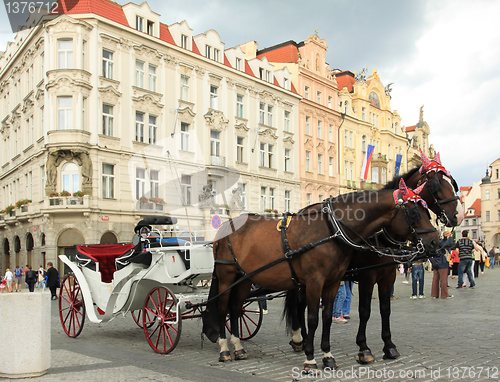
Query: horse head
[[440, 191], [411, 218]]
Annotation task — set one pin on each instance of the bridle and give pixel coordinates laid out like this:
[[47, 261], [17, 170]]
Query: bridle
[[433, 186]]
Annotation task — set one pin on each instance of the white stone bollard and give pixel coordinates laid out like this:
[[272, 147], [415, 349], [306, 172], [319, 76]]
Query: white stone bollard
[[24, 334]]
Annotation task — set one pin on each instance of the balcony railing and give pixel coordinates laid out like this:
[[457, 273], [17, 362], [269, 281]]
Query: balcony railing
[[217, 160]]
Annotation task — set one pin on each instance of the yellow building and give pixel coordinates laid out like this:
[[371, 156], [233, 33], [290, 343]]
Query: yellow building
[[490, 206]]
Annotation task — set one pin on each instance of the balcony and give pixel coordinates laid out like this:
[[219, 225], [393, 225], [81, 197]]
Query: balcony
[[217, 161], [66, 203]]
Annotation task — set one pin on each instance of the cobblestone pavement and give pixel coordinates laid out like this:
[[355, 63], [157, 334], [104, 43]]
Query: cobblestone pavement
[[439, 340]]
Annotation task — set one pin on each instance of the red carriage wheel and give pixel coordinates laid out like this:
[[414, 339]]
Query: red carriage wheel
[[137, 316], [160, 322], [250, 320], [71, 306]]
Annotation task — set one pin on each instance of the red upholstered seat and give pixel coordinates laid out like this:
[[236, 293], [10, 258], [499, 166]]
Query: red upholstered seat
[[105, 255]]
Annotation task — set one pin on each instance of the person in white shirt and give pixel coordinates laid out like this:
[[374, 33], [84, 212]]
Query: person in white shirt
[[9, 276]]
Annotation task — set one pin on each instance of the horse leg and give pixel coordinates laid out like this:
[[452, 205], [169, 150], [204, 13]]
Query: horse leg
[[224, 282], [293, 313], [328, 299], [313, 294], [384, 293], [365, 289], [238, 297]]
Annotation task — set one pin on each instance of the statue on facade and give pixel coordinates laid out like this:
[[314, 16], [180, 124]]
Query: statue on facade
[[388, 89], [83, 160], [361, 77], [206, 197], [236, 201], [432, 151]]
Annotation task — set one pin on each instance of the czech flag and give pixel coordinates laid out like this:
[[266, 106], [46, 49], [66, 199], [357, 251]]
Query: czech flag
[[366, 162]]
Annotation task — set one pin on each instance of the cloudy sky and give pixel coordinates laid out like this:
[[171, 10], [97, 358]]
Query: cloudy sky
[[442, 54]]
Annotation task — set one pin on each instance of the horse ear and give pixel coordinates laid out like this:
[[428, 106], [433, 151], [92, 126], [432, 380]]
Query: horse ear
[[419, 189], [425, 160], [437, 158], [402, 187]]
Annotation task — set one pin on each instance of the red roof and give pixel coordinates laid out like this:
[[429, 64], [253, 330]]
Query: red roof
[[195, 48], [165, 34], [345, 80], [465, 189], [281, 53], [476, 206], [105, 8], [248, 70], [410, 128]]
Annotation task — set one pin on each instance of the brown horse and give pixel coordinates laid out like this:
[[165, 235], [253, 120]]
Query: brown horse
[[369, 269], [317, 259]]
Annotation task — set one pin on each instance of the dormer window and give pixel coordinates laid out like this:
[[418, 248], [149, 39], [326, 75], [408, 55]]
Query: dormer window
[[261, 73], [216, 54], [268, 76], [139, 23], [208, 50], [286, 84], [151, 28], [184, 42], [238, 64]]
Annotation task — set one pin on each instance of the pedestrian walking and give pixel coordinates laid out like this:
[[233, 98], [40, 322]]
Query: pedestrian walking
[[52, 280], [346, 307], [337, 305], [9, 277], [417, 278], [455, 260], [440, 268], [31, 278], [41, 278], [18, 273], [465, 246], [491, 255]]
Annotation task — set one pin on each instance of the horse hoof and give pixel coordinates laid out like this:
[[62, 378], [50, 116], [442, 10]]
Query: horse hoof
[[240, 355], [311, 368], [391, 353], [225, 356], [329, 363], [297, 346], [365, 357]]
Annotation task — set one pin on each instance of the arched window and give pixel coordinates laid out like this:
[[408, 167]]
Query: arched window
[[363, 143], [70, 177]]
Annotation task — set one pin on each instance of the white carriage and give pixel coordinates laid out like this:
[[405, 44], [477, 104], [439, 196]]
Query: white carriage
[[157, 278]]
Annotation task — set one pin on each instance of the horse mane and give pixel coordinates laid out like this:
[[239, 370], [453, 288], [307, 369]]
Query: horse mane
[[394, 183]]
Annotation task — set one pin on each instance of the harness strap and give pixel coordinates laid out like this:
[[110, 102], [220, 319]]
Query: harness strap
[[286, 249]]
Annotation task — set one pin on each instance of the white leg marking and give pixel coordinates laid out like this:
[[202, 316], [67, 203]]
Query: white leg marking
[[297, 336], [223, 344], [311, 362], [236, 342], [327, 355]]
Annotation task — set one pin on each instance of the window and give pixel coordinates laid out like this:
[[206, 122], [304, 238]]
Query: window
[[238, 64], [363, 113], [262, 113], [363, 143], [243, 188], [271, 199], [384, 175], [152, 77], [70, 177], [263, 197], [239, 106], [268, 76], [64, 113], [474, 221], [214, 101], [216, 54], [329, 102], [308, 125], [139, 21], [288, 165], [306, 92], [107, 64], [187, 189], [330, 133], [108, 181], [184, 87], [308, 161], [287, 121], [64, 54], [42, 181], [239, 149], [154, 183], [346, 141], [375, 175], [139, 74], [270, 154], [139, 127], [320, 198], [153, 130], [497, 172], [320, 164], [498, 216], [320, 130], [308, 198], [318, 97], [107, 120], [487, 194], [498, 193], [140, 182], [184, 136], [261, 73], [269, 116], [207, 51], [84, 104], [184, 41], [151, 28], [351, 145], [214, 143], [330, 166], [474, 234], [487, 216], [262, 154], [84, 59], [288, 201], [286, 84]]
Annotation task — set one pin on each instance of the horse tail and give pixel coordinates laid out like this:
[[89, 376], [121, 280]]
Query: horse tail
[[210, 315], [292, 308]]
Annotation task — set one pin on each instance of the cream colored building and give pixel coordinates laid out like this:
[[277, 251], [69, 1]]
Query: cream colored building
[[144, 119], [490, 206], [319, 115]]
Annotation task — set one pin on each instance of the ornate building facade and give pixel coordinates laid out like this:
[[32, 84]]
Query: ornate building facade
[[490, 206], [131, 117]]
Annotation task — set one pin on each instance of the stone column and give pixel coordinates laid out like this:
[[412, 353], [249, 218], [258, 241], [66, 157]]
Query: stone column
[[25, 334]]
